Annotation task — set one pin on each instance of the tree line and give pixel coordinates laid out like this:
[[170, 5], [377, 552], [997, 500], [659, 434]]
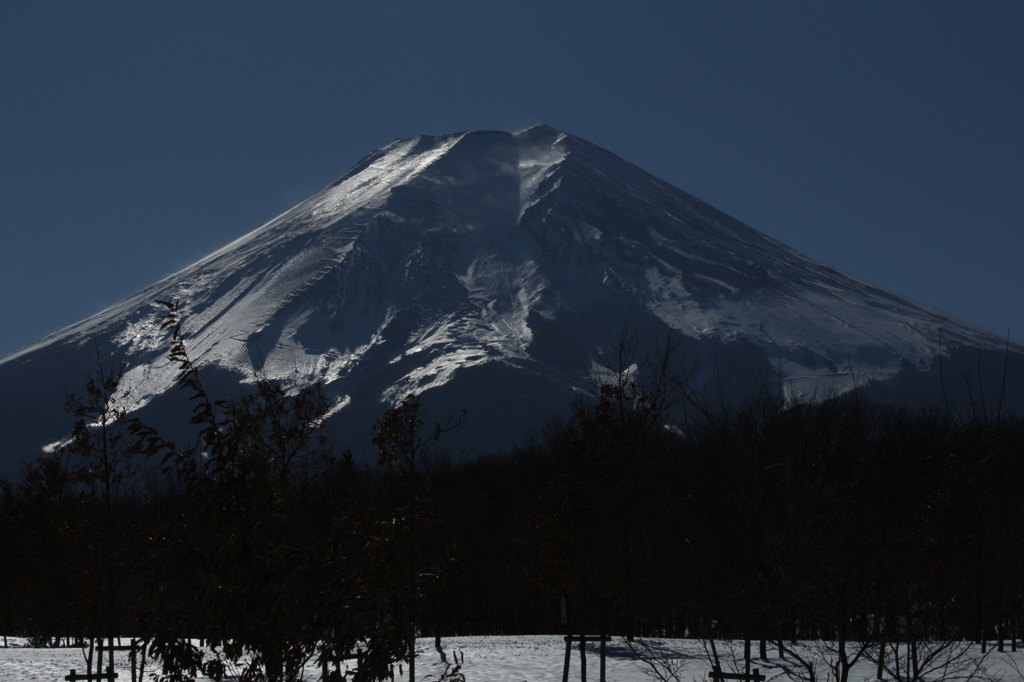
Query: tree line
[[646, 511]]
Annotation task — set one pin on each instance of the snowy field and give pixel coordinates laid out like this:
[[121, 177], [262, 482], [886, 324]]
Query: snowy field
[[535, 658]]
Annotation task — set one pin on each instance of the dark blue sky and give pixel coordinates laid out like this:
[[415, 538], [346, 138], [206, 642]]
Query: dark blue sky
[[884, 139]]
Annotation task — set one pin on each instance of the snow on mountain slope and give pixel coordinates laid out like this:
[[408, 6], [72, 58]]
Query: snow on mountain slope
[[487, 268]]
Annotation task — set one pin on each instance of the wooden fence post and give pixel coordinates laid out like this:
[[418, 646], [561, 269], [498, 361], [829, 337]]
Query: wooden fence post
[[568, 655]]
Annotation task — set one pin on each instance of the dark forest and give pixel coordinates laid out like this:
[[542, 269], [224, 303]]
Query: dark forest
[[646, 511]]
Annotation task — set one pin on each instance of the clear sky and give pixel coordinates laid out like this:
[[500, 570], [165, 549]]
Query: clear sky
[[882, 138]]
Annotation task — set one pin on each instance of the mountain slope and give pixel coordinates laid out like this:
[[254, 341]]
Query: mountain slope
[[487, 269]]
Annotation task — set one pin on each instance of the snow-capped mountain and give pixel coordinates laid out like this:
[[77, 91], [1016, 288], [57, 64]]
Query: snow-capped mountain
[[486, 269]]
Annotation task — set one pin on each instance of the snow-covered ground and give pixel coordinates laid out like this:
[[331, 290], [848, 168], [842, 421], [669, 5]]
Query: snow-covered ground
[[534, 658]]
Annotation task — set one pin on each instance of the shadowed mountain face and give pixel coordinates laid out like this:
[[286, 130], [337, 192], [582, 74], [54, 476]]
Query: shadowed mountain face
[[486, 269]]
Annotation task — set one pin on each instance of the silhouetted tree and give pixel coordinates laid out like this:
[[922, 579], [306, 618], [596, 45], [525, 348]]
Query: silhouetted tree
[[406, 446]]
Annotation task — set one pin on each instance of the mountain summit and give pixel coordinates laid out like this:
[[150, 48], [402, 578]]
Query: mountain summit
[[486, 269]]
